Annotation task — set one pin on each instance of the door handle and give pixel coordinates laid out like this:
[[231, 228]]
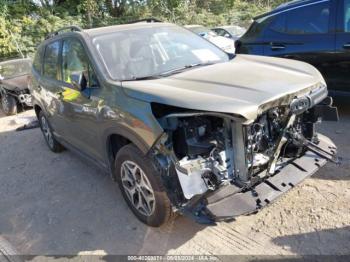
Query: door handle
[[346, 46], [276, 47]]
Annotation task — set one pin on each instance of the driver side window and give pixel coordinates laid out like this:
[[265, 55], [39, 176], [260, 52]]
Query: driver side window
[[313, 19], [75, 61], [220, 32], [347, 16]]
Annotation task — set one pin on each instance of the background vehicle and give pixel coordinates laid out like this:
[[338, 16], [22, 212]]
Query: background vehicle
[[233, 32], [314, 31], [159, 109], [222, 42], [14, 81]]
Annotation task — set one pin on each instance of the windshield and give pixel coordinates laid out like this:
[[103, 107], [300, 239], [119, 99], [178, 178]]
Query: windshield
[[202, 31], [152, 51], [236, 30], [10, 69]]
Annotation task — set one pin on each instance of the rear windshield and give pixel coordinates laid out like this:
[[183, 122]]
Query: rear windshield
[[144, 52], [10, 69]]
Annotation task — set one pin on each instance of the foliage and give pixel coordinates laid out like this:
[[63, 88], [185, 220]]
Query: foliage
[[25, 23]]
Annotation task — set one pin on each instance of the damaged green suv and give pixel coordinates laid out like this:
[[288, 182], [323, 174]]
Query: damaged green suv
[[182, 126]]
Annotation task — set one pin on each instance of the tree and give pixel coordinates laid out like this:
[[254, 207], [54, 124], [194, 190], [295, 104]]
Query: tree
[[90, 8]]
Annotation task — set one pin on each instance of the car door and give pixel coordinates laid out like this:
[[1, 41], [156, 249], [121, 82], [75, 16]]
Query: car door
[[304, 33], [79, 106], [341, 76], [252, 42], [49, 86]]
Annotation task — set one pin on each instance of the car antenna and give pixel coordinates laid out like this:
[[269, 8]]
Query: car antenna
[[17, 45]]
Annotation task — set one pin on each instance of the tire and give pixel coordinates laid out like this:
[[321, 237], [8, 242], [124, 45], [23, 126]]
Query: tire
[[143, 182], [9, 105], [8, 253], [46, 129]]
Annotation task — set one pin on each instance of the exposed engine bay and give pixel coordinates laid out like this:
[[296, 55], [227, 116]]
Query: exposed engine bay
[[211, 151], [204, 148]]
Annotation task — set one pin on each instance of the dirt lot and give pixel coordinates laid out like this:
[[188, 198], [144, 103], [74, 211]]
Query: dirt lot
[[61, 205]]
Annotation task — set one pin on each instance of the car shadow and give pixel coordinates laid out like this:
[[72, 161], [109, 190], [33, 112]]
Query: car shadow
[[60, 204], [321, 241]]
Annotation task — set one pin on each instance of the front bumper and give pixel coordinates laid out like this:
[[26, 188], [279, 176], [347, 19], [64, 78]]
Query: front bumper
[[230, 202]]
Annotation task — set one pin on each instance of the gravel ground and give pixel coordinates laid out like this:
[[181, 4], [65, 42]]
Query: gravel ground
[[59, 204]]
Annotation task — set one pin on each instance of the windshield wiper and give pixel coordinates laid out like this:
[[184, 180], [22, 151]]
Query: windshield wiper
[[181, 69], [168, 73], [136, 78]]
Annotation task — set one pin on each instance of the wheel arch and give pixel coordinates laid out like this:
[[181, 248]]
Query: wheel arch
[[118, 137]]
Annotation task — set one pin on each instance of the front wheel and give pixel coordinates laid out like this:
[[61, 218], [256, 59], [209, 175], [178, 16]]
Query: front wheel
[[9, 105], [46, 129], [142, 189]]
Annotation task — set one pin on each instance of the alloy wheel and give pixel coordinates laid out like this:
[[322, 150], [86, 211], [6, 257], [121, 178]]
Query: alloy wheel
[[137, 188], [5, 103], [46, 131]]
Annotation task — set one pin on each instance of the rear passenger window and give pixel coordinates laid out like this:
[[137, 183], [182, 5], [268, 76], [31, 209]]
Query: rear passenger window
[[313, 19], [51, 60], [37, 62]]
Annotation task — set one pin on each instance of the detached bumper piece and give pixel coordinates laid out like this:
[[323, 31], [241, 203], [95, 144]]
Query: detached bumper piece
[[226, 203]]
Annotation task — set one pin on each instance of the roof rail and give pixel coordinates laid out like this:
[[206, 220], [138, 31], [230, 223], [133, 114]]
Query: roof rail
[[72, 28], [289, 3], [147, 20]]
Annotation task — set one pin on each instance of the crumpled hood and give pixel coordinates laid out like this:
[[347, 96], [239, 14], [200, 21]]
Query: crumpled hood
[[239, 87]]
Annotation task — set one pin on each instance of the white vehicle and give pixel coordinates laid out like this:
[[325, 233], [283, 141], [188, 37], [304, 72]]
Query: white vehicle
[[232, 32], [222, 42]]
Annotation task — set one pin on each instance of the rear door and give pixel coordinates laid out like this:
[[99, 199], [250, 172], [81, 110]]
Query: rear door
[[49, 86], [304, 33], [341, 79]]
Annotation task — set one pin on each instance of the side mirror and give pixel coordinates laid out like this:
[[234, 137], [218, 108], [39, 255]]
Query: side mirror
[[227, 35], [78, 80]]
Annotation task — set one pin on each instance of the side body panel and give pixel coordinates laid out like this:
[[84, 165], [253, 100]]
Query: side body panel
[[85, 121], [316, 49]]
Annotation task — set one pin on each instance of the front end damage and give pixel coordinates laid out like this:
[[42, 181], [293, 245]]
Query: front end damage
[[218, 166], [17, 87], [22, 96]]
